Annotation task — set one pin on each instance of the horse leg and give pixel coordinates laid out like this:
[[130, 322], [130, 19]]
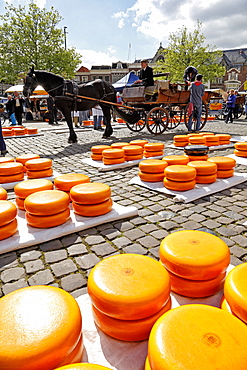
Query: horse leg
[[108, 129], [72, 135]]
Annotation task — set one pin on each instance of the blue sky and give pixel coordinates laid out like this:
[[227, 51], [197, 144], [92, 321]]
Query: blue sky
[[105, 31]]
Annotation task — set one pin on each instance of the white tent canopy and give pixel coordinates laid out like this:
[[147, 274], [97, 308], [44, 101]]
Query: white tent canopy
[[19, 88]]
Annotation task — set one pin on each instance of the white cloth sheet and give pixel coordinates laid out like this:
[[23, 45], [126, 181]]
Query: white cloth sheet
[[238, 138], [200, 190], [28, 235], [11, 185]]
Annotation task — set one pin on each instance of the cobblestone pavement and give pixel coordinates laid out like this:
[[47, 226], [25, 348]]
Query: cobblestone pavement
[[65, 262]]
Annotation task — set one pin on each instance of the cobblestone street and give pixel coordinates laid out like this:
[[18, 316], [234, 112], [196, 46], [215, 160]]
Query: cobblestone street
[[65, 262]]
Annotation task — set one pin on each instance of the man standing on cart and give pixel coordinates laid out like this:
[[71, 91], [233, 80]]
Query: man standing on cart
[[196, 93], [189, 76]]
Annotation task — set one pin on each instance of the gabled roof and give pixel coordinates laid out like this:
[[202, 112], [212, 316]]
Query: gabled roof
[[235, 57], [83, 69]]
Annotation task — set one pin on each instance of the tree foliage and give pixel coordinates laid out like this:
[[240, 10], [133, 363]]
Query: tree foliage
[[31, 37], [187, 49]]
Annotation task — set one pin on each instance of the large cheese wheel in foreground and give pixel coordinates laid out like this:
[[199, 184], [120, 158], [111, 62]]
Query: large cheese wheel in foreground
[[176, 159], [41, 327], [235, 291], [8, 230], [47, 202], [39, 174], [180, 173], [151, 177], [204, 167], [194, 254], [8, 212], [3, 194], [92, 210], [128, 330], [25, 188], [90, 193], [179, 185], [23, 158], [153, 165], [197, 337], [129, 286], [10, 168], [11, 178], [223, 163], [98, 149], [83, 366], [44, 222], [38, 164], [67, 181]]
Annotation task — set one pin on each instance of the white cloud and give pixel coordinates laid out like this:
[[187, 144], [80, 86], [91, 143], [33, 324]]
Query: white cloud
[[92, 57]]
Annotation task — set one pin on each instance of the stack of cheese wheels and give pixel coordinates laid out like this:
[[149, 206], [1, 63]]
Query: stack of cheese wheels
[[196, 152], [133, 152], [91, 199], [180, 140], [113, 156], [139, 142], [32, 131], [67, 181], [41, 329], [223, 138], [152, 170], [11, 172], [83, 366], [7, 131], [8, 222], [235, 291], [47, 208], [197, 140], [3, 194], [125, 303], [206, 172], [179, 177], [40, 167], [18, 131], [23, 158], [25, 188], [240, 149], [96, 151], [197, 336], [196, 262], [153, 150], [225, 166], [119, 145], [6, 159], [211, 140], [176, 159]]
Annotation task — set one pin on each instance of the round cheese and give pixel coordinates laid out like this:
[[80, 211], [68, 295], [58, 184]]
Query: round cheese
[[113, 153], [179, 138], [108, 161], [39, 174], [67, 181], [195, 135], [180, 173], [6, 159], [119, 145], [23, 158], [153, 165], [197, 336], [96, 157], [6, 231], [203, 167], [197, 140], [223, 137], [207, 133], [223, 163], [194, 254], [18, 131], [151, 177], [25, 188], [133, 157], [223, 174], [206, 179], [240, 153], [197, 157], [38, 164], [11, 178], [240, 145], [132, 150], [179, 185], [20, 203], [98, 149], [8, 212], [211, 138], [118, 286], [32, 131], [154, 147], [44, 222], [224, 142], [90, 193], [3, 194], [43, 319], [175, 159], [139, 142], [152, 154], [92, 210], [10, 168], [180, 143], [46, 202], [75, 356]]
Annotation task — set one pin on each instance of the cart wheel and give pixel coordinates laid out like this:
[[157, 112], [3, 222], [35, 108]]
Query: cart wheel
[[176, 117], [139, 125], [204, 117], [157, 120]]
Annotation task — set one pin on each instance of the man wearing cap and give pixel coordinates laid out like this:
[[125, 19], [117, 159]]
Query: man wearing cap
[[196, 93], [145, 75], [189, 76]]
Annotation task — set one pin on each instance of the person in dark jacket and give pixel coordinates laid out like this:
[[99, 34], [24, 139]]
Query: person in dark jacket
[[10, 108], [18, 104], [189, 76], [230, 106], [145, 75]]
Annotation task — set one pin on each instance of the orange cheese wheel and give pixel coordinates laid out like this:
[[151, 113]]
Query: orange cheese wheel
[[133, 157], [196, 288], [7, 133], [93, 210], [43, 222], [223, 174], [207, 133], [132, 150], [178, 138], [8, 212], [223, 137], [152, 154], [98, 149], [6, 159], [180, 173], [235, 291], [139, 142], [210, 138], [23, 158], [213, 143], [6, 231], [240, 153], [176, 159], [11, 178], [241, 146], [199, 134], [197, 157], [108, 161], [224, 142], [179, 185], [67, 181], [50, 327], [38, 164], [151, 177], [153, 165], [194, 255], [206, 179], [96, 157], [83, 366], [180, 143], [76, 355], [198, 140], [128, 330], [39, 174], [113, 153], [154, 147], [3, 194], [20, 203], [18, 131], [223, 163], [10, 168], [32, 131], [194, 334], [90, 193], [204, 167], [119, 145], [25, 188], [118, 286], [46, 202]]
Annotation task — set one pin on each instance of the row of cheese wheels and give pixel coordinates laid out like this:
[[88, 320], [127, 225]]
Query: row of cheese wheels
[[203, 138], [240, 149], [19, 131]]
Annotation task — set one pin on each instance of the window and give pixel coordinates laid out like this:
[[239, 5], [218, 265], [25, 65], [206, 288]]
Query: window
[[84, 78], [107, 78]]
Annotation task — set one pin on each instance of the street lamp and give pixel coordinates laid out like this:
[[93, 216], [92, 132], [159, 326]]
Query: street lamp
[[65, 41]]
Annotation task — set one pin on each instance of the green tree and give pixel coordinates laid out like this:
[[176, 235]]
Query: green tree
[[31, 37], [187, 49]]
